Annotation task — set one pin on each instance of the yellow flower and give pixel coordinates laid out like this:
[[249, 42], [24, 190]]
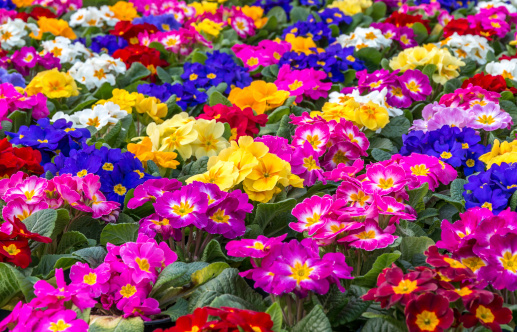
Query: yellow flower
[[269, 171], [124, 11], [179, 139], [300, 44], [124, 99], [23, 3], [53, 84], [255, 13], [144, 152], [260, 96], [372, 116], [152, 107], [55, 26], [446, 64], [210, 140], [501, 152], [223, 174], [261, 196], [204, 7], [351, 7], [208, 27], [334, 111]]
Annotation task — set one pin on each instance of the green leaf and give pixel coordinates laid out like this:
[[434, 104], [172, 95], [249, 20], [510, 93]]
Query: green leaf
[[267, 212], [380, 155], [134, 73], [278, 114], [507, 95], [452, 85], [71, 241], [91, 228], [214, 253], [315, 321], [349, 309], [118, 234], [383, 261], [284, 130], [41, 222], [199, 57], [63, 218], [152, 167], [417, 195], [299, 14], [228, 282], [384, 324], [227, 131], [429, 70], [457, 204], [420, 31], [232, 301], [19, 118], [457, 189], [275, 312], [411, 246], [94, 256], [377, 11], [469, 68], [278, 13], [115, 324], [180, 308], [105, 91], [513, 201], [25, 283], [164, 76], [195, 167], [509, 107], [9, 286], [397, 127], [381, 143], [177, 274], [49, 263], [208, 273], [370, 56], [217, 98]]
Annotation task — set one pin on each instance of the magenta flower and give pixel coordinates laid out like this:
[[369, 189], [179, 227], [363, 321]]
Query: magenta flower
[[306, 165], [384, 180], [501, 270], [311, 214], [254, 248], [490, 117], [155, 224], [317, 134], [375, 81], [306, 82], [341, 153], [278, 146], [423, 169], [343, 171], [95, 281], [348, 132], [63, 320], [353, 192], [151, 189], [333, 228], [31, 190], [341, 270], [468, 97], [396, 96], [136, 308], [18, 209], [183, 207], [226, 217], [370, 237], [415, 84], [213, 193], [125, 289]]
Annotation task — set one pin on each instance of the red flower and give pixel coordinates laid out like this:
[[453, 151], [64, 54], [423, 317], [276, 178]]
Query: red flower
[[193, 322], [36, 13], [130, 32], [16, 252], [463, 27], [429, 312], [507, 57], [489, 82], [406, 20], [10, 230], [490, 315], [243, 122], [448, 268], [247, 320], [14, 159], [147, 56], [466, 291], [393, 286]]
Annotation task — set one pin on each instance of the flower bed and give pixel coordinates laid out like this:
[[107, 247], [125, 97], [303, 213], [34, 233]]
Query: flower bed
[[276, 165]]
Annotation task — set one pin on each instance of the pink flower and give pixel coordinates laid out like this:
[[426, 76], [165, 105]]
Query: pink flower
[[18, 209], [333, 228], [317, 135], [183, 207], [152, 189], [490, 117], [306, 82], [384, 180], [94, 281], [144, 259], [254, 248], [311, 214], [31, 190], [370, 237], [306, 165], [137, 308], [63, 320]]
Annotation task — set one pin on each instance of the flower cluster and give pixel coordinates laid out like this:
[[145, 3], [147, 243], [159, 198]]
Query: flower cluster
[[97, 70]]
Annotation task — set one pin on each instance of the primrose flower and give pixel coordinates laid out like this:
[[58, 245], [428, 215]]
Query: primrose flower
[[311, 214], [384, 180], [490, 117], [429, 312], [370, 236], [183, 207], [317, 135], [254, 248], [95, 281], [31, 190], [306, 165], [64, 320], [144, 259], [259, 95], [53, 84], [490, 315], [210, 140], [501, 270]]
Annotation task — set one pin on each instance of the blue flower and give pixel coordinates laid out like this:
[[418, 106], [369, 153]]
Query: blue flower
[[334, 16], [165, 22], [106, 43], [15, 79], [7, 4]]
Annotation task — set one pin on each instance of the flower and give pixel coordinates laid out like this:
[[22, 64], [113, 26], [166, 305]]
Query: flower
[[57, 27], [124, 11], [254, 248], [491, 315], [311, 214], [224, 174], [260, 96], [370, 237], [490, 117], [210, 140], [183, 207], [53, 84], [429, 312]]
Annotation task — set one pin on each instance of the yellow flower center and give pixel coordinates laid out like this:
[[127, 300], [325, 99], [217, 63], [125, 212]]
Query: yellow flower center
[[12, 249], [427, 321], [366, 235], [128, 291], [446, 155], [419, 170], [120, 189], [454, 263], [82, 173], [29, 194], [473, 263], [94, 122], [463, 291], [183, 209], [339, 158], [58, 326], [257, 245], [143, 264], [193, 77], [405, 286], [300, 272], [397, 92], [107, 167], [295, 85], [509, 262], [360, 197], [310, 164], [385, 183], [99, 74], [484, 314], [314, 220], [371, 36], [211, 76], [413, 86], [484, 119], [487, 205], [220, 218], [314, 141], [90, 278]]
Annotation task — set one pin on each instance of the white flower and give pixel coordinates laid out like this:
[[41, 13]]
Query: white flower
[[468, 46], [113, 110], [377, 97], [13, 31], [93, 17], [364, 37], [97, 70], [65, 50], [60, 115], [506, 68], [96, 117]]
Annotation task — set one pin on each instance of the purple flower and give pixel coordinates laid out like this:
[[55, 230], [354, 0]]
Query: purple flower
[[306, 165], [490, 117], [134, 307], [415, 84], [150, 190], [501, 270], [183, 207], [227, 216]]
